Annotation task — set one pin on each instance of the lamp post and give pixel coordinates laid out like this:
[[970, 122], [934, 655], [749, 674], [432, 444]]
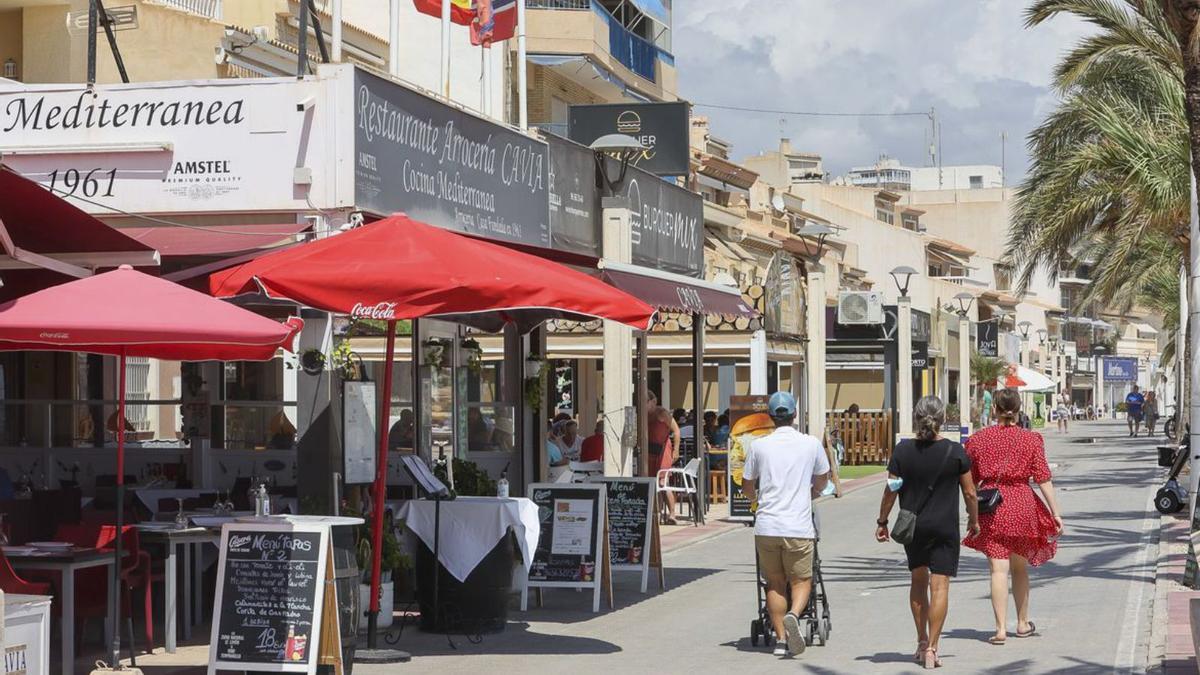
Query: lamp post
[[964, 301], [817, 233], [1024, 327], [904, 375], [1041, 333], [1054, 375], [617, 246]]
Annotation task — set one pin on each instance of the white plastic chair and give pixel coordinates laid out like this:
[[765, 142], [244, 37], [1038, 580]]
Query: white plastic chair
[[688, 477], [582, 472]]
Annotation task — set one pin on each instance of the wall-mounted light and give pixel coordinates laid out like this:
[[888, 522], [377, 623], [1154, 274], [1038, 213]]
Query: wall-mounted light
[[10, 69]]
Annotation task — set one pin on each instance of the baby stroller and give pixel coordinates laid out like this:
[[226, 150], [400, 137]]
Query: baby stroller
[[815, 621]]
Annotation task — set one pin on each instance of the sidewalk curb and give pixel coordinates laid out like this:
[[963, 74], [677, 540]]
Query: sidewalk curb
[[1166, 583]]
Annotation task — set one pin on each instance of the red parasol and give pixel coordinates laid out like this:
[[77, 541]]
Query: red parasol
[[128, 313], [399, 268]]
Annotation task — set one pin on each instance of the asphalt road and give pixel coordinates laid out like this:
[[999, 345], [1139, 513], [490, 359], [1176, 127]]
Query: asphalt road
[[1091, 603]]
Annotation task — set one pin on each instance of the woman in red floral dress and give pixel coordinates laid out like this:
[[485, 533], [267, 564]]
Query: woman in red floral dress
[[1023, 530]]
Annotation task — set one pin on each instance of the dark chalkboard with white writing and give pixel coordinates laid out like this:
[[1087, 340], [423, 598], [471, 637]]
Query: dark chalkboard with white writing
[[631, 523], [570, 550], [270, 588]]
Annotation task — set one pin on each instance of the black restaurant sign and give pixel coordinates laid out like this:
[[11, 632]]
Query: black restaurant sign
[[661, 127], [574, 200], [666, 223], [920, 355], [987, 338], [446, 167], [269, 594]]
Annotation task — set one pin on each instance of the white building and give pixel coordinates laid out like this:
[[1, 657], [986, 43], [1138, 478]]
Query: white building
[[889, 174]]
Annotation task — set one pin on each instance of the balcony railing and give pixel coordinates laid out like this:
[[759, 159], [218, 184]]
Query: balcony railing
[[209, 9], [558, 4], [632, 51]]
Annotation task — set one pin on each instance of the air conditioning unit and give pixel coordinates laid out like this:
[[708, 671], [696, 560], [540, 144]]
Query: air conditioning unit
[[856, 308]]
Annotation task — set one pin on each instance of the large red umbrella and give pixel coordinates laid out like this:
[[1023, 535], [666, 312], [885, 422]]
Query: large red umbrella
[[399, 268], [128, 313]]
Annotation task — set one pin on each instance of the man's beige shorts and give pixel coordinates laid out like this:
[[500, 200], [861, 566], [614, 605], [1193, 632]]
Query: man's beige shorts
[[785, 556]]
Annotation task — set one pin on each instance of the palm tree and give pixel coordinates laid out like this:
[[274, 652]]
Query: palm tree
[[1109, 172], [985, 370]]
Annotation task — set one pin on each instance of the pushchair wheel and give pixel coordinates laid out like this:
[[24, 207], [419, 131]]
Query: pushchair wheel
[[755, 632], [823, 631]]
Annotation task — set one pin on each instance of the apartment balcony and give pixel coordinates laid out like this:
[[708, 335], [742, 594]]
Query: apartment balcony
[[561, 34]]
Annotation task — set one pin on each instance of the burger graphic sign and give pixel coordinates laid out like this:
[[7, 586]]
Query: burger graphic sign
[[748, 420]]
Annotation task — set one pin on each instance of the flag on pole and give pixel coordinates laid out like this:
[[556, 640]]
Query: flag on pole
[[461, 11], [495, 21]]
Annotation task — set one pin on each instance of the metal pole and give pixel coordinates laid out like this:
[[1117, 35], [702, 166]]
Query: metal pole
[[964, 370], [380, 490], [698, 406], [394, 39], [815, 379], [446, 48], [302, 42], [904, 378], [642, 387], [417, 390], [112, 40], [522, 96], [1194, 336], [91, 47], [336, 29], [115, 648]]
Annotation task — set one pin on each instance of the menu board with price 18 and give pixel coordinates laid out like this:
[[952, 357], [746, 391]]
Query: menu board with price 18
[[571, 549], [270, 592], [633, 541]]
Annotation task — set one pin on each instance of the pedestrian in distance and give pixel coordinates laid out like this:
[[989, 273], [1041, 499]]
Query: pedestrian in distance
[[1133, 411], [928, 473], [1019, 530], [784, 470], [663, 436], [1150, 410], [1064, 411]]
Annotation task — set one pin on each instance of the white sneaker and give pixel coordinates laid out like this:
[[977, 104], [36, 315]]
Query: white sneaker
[[791, 628], [780, 650]]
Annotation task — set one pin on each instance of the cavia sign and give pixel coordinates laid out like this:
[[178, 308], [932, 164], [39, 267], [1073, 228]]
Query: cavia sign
[[661, 127]]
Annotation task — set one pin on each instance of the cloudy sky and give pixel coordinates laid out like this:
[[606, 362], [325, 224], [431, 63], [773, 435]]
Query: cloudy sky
[[972, 60]]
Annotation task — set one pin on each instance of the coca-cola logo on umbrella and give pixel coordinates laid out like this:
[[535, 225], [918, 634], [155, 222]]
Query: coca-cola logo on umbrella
[[380, 310]]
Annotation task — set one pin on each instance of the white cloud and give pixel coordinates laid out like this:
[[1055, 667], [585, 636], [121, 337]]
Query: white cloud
[[974, 61]]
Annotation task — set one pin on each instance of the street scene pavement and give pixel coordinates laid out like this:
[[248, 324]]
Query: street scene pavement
[[1091, 603]]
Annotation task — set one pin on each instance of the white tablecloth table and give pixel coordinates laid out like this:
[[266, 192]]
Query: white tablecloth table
[[149, 496], [471, 527]]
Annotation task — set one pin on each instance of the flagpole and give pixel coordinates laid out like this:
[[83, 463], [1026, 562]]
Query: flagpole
[[394, 39], [446, 49], [522, 98]]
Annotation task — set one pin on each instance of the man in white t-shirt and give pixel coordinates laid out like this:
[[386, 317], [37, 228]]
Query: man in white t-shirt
[[784, 470]]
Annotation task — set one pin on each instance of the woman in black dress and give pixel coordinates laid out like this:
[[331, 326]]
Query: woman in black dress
[[928, 473]]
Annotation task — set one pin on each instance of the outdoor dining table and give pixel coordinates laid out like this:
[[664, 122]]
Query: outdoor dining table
[[66, 562], [192, 540]]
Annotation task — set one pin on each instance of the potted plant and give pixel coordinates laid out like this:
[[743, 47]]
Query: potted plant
[[470, 480], [535, 385], [472, 354], [393, 564]]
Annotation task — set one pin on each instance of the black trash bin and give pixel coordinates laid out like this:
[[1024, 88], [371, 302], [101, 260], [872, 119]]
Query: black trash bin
[[1166, 455], [478, 605]]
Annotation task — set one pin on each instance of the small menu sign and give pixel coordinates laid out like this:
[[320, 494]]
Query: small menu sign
[[571, 549], [270, 591], [629, 518]]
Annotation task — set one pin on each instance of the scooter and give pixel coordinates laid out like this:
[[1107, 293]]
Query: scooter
[[1172, 496]]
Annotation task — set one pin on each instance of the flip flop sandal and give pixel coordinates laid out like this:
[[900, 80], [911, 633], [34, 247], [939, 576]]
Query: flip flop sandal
[[993, 640], [1029, 633]]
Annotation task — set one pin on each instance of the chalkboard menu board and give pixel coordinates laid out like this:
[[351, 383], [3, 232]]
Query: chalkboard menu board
[[629, 520], [570, 549], [270, 588]]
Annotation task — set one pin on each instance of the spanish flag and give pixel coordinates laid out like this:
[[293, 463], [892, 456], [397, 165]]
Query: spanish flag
[[495, 21], [461, 11]]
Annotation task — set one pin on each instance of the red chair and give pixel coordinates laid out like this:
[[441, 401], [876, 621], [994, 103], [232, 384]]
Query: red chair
[[11, 583]]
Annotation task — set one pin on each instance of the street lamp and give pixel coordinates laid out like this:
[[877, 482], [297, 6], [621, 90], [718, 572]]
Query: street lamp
[[964, 301], [905, 272], [1041, 333], [818, 231], [814, 358], [1024, 327], [904, 376], [622, 149]]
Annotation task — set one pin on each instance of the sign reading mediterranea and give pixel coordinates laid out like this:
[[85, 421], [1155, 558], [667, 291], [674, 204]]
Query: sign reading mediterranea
[[446, 167]]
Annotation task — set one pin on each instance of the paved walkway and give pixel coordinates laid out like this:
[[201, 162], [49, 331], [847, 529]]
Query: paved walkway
[[1091, 604]]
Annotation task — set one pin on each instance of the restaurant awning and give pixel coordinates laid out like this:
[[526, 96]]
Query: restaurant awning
[[675, 293], [40, 231], [223, 240]]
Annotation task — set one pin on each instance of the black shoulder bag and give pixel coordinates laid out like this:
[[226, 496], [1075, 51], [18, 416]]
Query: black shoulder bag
[[906, 521], [990, 498]]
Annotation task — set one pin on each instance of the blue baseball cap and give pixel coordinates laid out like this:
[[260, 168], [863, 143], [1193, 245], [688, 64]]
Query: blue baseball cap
[[782, 404]]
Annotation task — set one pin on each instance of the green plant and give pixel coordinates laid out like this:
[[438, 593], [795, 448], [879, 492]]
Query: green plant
[[535, 385], [391, 558], [474, 354], [952, 414], [435, 353], [470, 480]]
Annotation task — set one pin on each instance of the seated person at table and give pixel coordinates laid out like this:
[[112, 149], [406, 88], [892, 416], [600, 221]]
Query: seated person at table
[[569, 440], [710, 425], [558, 463], [593, 446], [401, 433], [720, 437], [479, 432], [283, 433]]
